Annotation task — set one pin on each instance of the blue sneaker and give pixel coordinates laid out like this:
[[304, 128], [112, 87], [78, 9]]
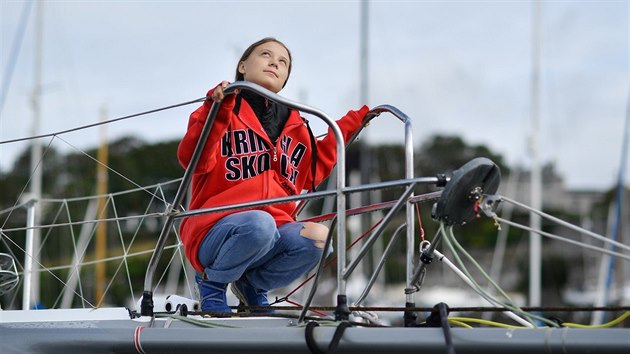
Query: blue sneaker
[[212, 295], [250, 296]]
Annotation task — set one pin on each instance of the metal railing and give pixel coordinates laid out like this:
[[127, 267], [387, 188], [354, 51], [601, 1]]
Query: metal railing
[[344, 270]]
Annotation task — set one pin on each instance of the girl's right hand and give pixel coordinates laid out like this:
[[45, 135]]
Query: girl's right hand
[[217, 94]]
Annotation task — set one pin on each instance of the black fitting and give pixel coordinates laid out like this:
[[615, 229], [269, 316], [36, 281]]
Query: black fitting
[[410, 317], [426, 258], [146, 305], [342, 312], [438, 314], [441, 180]]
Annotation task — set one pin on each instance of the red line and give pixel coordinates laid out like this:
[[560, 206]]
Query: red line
[[136, 339], [332, 260]]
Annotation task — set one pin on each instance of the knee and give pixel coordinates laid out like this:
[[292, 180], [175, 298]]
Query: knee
[[315, 232], [260, 220], [260, 227]]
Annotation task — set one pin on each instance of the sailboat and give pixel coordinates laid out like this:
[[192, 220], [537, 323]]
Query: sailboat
[[155, 321]]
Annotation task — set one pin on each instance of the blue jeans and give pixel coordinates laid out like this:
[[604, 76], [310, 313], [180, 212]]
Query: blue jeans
[[249, 243]]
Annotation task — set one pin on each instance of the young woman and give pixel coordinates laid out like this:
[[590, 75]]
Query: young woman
[[257, 149]]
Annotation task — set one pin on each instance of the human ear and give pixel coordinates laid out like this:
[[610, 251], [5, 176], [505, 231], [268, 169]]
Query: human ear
[[241, 67]]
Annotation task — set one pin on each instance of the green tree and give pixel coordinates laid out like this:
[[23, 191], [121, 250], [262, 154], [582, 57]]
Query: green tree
[[444, 154]]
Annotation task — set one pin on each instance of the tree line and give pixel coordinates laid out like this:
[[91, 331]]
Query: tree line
[[142, 163]]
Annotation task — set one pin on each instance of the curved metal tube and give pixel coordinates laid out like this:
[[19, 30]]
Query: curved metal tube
[[147, 296], [342, 273], [409, 174]]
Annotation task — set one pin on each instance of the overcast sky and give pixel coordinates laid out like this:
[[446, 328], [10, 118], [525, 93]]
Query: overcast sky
[[454, 67]]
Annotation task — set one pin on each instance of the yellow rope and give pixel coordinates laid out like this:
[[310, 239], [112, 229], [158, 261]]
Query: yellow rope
[[481, 321], [603, 325], [461, 321]]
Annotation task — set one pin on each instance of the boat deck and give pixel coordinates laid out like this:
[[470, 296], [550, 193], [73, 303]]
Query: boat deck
[[112, 330]]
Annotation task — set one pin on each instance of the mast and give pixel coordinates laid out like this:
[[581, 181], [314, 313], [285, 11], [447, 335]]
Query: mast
[[33, 239], [535, 245], [364, 162], [101, 228], [363, 98], [607, 265]]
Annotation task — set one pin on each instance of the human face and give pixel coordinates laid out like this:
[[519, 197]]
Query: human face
[[267, 66]]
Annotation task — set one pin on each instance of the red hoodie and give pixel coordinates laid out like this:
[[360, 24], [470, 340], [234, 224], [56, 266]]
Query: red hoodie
[[240, 164]]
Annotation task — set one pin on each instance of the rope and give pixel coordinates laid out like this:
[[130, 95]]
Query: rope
[[471, 309], [450, 240], [334, 343], [196, 322], [420, 223], [446, 329], [464, 320], [603, 325]]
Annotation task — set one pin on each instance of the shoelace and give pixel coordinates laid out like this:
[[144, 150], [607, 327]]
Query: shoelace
[[214, 296]]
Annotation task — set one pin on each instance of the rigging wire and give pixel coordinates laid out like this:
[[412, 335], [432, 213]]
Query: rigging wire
[[449, 238], [61, 132], [566, 224], [109, 168], [46, 269], [57, 135], [108, 259], [560, 238], [74, 273], [454, 322], [76, 199], [329, 262], [73, 223], [30, 178], [117, 219], [114, 194]]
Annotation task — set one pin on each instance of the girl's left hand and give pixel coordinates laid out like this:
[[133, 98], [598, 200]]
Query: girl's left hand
[[218, 95]]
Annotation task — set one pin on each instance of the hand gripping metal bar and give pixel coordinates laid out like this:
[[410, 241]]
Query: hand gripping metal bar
[[147, 296]]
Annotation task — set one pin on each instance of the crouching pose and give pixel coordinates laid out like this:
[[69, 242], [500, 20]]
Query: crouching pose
[[257, 149]]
